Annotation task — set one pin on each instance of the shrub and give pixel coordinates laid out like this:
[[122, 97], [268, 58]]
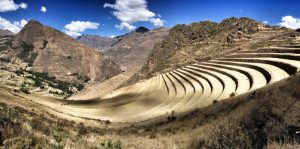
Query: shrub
[[215, 101], [152, 135], [171, 118], [82, 130], [228, 134], [118, 144], [232, 94], [25, 88]]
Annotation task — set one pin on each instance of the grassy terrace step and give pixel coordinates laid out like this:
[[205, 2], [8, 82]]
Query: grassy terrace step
[[274, 50], [266, 74], [207, 92], [172, 83], [287, 56], [178, 80], [198, 75], [208, 73], [233, 69], [185, 79], [286, 67], [221, 72], [190, 76], [166, 84]]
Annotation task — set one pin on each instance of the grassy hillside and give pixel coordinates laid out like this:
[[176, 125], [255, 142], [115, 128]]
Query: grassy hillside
[[268, 117]]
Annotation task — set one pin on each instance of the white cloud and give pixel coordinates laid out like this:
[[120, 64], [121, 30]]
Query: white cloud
[[72, 34], [14, 27], [132, 11], [112, 36], [125, 25], [23, 5], [43, 9], [75, 28], [290, 22], [265, 22], [157, 21], [10, 5]]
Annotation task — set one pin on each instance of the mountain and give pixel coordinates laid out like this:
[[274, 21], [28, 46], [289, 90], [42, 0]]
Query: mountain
[[98, 42], [129, 50], [133, 48], [51, 51], [6, 33], [204, 40], [142, 30]]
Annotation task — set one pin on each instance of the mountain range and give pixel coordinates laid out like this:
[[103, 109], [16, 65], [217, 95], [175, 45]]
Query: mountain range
[[130, 50]]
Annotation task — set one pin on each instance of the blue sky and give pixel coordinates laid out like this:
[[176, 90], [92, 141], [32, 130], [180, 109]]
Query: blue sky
[[162, 12]]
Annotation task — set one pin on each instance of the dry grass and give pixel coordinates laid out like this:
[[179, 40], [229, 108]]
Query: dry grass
[[260, 119]]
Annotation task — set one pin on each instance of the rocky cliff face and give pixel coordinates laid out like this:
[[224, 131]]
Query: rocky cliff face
[[49, 50]]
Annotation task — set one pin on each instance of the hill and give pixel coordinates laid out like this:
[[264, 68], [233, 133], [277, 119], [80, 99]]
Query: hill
[[204, 40], [51, 51], [130, 50], [6, 33], [98, 42]]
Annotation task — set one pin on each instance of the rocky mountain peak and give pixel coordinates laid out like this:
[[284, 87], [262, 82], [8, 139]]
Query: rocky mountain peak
[[49, 50], [142, 30]]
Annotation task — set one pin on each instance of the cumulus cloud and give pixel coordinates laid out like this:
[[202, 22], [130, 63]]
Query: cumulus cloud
[[75, 28], [125, 25], [112, 36], [290, 22], [14, 27], [157, 21], [10, 5], [132, 11], [23, 5], [43, 9]]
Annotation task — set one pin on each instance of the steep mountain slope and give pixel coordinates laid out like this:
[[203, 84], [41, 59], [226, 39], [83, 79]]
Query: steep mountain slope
[[49, 50], [98, 42], [129, 50], [6, 33], [204, 40]]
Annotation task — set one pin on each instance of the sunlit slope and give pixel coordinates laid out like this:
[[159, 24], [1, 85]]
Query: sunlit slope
[[186, 88], [99, 89]]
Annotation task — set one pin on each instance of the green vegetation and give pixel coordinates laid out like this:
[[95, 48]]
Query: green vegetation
[[42, 78], [25, 88], [27, 54], [81, 77], [232, 94]]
